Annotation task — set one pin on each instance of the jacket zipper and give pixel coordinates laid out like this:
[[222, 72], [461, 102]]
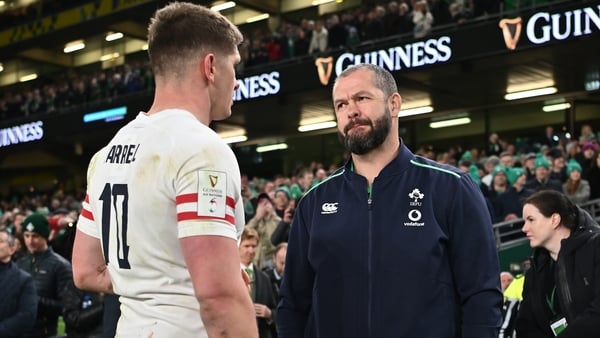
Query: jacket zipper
[[369, 265]]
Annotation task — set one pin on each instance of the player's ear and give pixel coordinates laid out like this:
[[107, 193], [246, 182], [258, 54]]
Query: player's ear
[[207, 65]]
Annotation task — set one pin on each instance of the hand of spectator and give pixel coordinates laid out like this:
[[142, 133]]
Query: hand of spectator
[[262, 311], [510, 217], [263, 209], [288, 214]]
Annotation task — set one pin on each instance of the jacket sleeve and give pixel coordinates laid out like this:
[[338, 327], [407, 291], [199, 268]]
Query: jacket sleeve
[[586, 324], [474, 262], [296, 288], [73, 314], [526, 324], [63, 276], [281, 233], [26, 312]]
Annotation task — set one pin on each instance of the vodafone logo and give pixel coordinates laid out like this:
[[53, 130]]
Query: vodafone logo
[[329, 208]]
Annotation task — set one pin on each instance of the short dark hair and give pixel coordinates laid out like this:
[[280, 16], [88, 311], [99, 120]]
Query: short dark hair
[[550, 202], [384, 80]]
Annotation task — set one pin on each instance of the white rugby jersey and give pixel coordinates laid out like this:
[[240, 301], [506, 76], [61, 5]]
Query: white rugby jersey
[[162, 177]]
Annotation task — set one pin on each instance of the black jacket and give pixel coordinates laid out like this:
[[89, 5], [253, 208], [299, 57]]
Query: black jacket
[[82, 312], [50, 273], [577, 279], [18, 301], [265, 295]]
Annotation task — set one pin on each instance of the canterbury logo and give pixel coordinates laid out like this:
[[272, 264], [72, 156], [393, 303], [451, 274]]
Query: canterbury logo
[[324, 68], [329, 208], [213, 180], [511, 30]]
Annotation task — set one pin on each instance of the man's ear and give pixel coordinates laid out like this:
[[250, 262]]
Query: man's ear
[[395, 104], [208, 66]]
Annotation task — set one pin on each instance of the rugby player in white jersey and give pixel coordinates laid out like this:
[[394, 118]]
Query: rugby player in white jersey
[[163, 211]]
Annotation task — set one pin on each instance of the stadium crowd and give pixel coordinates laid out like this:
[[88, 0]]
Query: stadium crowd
[[311, 37]]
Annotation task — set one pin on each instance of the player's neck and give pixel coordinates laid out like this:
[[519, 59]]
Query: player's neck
[[190, 98]]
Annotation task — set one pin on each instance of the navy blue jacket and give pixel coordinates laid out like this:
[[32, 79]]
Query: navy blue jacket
[[18, 301], [415, 259]]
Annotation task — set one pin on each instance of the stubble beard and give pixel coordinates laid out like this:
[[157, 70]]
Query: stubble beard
[[362, 143]]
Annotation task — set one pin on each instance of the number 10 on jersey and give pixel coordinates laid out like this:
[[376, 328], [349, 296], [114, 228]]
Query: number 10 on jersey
[[115, 199]]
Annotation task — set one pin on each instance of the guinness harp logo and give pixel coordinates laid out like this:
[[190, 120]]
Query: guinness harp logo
[[213, 180], [511, 30], [324, 68]]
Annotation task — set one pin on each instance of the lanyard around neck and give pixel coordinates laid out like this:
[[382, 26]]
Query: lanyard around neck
[[550, 301]]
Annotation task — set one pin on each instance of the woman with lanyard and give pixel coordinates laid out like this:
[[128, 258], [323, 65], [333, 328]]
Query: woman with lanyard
[[561, 296]]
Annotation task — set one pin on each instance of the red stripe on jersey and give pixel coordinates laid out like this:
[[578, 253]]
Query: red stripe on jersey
[[187, 198], [189, 216], [87, 214], [230, 202], [193, 198], [87, 198]]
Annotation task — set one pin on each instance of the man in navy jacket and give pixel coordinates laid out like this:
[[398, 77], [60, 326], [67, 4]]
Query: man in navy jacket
[[392, 244], [18, 298]]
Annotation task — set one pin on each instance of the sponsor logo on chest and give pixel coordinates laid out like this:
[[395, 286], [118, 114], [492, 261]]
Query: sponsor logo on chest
[[414, 214]]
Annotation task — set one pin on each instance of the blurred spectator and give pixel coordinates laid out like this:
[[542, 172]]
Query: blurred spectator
[[18, 299], [542, 179], [509, 205], [276, 272], [50, 272], [261, 289], [587, 134], [405, 21], [304, 180], [459, 12], [577, 189], [507, 160], [423, 19], [558, 170], [337, 33], [550, 137], [440, 11], [265, 221], [391, 19], [489, 164], [282, 232], [373, 24], [319, 40], [505, 279], [493, 147], [592, 175], [301, 43], [586, 156], [529, 165], [273, 47], [281, 200], [257, 53]]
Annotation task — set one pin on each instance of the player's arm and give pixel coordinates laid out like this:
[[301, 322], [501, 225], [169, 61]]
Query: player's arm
[[225, 304], [89, 268]]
